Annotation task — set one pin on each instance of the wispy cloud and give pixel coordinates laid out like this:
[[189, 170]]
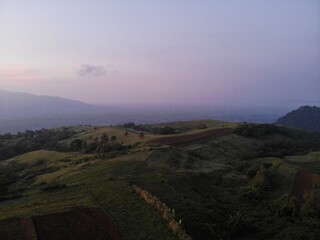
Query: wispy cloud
[[87, 70]]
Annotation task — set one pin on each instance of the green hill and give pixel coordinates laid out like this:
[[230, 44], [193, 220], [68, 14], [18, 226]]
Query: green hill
[[218, 181], [305, 117]]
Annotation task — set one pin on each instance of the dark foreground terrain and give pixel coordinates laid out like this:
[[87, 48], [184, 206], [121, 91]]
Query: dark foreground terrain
[[182, 180], [80, 223]]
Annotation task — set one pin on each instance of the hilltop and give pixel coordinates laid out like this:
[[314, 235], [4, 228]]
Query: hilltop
[[200, 179], [305, 117]]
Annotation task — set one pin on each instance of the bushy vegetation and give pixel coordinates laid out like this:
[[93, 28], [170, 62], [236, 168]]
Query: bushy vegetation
[[149, 128], [9, 174], [52, 186], [279, 141], [17, 144], [100, 146], [166, 129], [285, 206], [264, 130]]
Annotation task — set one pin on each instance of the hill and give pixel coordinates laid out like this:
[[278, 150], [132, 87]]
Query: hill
[[305, 117], [199, 179]]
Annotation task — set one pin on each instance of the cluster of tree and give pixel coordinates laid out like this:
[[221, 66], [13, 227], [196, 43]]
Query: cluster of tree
[[262, 130], [292, 142], [15, 144], [150, 128], [287, 147], [6, 136], [9, 173], [258, 130], [100, 146]]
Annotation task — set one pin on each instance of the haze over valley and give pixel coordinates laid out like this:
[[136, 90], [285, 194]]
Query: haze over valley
[[22, 111]]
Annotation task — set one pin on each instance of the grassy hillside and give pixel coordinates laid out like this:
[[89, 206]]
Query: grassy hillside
[[242, 181]]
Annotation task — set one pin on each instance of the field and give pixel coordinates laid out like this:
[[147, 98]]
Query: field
[[89, 133], [80, 223], [191, 137]]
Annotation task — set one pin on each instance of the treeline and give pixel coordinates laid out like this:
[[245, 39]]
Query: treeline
[[262, 130], [290, 141], [12, 145], [9, 173], [100, 146], [149, 128]]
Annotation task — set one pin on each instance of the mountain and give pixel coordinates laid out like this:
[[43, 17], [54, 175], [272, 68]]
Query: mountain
[[14, 105], [305, 117], [22, 111]]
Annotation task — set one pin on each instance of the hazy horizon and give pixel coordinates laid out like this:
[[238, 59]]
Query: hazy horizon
[[226, 53]]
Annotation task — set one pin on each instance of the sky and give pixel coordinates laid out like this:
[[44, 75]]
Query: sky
[[162, 52]]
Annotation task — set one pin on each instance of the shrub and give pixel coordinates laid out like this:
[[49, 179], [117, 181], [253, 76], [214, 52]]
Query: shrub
[[285, 206], [237, 224], [53, 186], [251, 192]]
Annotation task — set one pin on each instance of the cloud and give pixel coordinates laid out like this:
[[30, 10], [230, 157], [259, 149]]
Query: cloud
[[87, 70]]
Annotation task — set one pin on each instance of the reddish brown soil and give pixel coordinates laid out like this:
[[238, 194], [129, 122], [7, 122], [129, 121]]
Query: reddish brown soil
[[176, 140], [80, 224], [303, 184], [17, 229]]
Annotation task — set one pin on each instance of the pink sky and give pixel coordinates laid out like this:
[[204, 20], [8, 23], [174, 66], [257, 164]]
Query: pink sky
[[208, 52]]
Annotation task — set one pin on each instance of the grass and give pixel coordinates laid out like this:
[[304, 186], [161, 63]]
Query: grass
[[133, 218], [97, 132], [48, 156], [40, 203], [120, 168]]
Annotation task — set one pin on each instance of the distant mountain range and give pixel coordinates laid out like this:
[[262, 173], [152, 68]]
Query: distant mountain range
[[305, 117], [14, 105], [22, 111]]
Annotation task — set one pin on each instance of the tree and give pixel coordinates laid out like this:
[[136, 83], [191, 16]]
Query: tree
[[104, 144], [113, 139], [141, 135], [76, 144], [105, 138]]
